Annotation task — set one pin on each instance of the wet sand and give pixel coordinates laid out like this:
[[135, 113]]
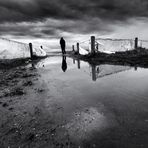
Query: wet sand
[[43, 107]]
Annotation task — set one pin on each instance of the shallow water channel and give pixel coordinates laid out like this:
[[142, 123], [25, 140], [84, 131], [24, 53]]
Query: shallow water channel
[[98, 106]]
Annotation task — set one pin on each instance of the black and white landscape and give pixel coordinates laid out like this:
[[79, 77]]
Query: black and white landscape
[[73, 74]]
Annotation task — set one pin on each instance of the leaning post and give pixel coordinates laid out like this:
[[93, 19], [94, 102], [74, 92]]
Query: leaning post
[[31, 50], [78, 48], [92, 44], [136, 43]]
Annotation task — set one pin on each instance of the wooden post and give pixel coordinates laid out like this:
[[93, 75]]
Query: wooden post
[[78, 49], [136, 43], [93, 44], [31, 50]]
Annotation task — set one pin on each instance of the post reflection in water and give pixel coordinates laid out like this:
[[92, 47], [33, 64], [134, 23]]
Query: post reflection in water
[[99, 71], [79, 64], [94, 69], [94, 76], [64, 63]]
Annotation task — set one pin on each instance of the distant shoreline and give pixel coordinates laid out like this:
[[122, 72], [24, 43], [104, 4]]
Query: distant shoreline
[[135, 58]]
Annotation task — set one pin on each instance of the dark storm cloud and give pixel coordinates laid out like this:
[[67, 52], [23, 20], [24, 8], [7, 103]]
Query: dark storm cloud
[[49, 18], [31, 10], [38, 30], [52, 28], [24, 10]]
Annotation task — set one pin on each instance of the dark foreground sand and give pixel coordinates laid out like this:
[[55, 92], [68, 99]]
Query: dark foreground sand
[[24, 123], [19, 114]]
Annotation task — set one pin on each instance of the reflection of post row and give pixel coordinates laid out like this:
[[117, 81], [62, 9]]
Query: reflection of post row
[[78, 63], [105, 70], [99, 71]]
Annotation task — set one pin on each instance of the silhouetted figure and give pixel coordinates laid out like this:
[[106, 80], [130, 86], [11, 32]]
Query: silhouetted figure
[[41, 47], [62, 43], [64, 64]]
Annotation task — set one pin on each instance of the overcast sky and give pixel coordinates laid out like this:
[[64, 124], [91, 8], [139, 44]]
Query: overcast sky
[[73, 19]]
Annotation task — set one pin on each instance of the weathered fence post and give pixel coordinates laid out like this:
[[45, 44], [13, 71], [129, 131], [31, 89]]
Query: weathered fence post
[[136, 43], [93, 44], [31, 50], [78, 48]]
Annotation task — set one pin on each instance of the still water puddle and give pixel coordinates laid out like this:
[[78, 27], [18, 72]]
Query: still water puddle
[[95, 99], [92, 70]]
